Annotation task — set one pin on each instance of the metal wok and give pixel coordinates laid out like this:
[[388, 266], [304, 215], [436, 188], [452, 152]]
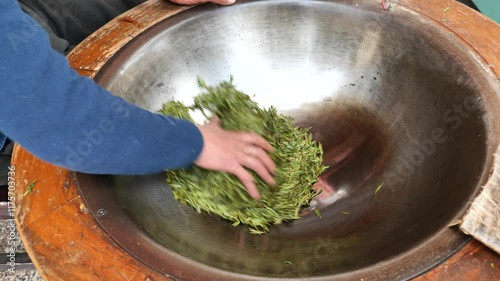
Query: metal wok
[[394, 100]]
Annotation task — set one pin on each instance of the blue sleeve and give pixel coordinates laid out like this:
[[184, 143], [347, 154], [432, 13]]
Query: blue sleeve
[[69, 120]]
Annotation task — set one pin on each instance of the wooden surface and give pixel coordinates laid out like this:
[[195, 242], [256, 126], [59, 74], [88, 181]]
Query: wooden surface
[[482, 220], [474, 262], [65, 242], [60, 235]]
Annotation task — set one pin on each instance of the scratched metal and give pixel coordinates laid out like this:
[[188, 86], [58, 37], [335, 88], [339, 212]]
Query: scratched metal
[[394, 99]]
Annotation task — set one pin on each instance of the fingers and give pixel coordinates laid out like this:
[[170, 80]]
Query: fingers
[[232, 151], [257, 141], [196, 2], [254, 156], [256, 165], [260, 155], [188, 2], [251, 138], [215, 120], [223, 2], [246, 179]]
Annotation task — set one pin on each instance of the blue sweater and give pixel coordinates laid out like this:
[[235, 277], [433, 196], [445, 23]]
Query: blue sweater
[[69, 120]]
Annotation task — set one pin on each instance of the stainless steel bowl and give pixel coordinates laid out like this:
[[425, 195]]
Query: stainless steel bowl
[[394, 100]]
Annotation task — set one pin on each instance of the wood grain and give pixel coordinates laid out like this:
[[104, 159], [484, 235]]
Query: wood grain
[[474, 29], [98, 48], [66, 243], [474, 262], [483, 218], [60, 235]]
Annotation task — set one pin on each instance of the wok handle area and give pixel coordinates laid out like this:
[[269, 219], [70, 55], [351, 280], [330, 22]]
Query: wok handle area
[[64, 240]]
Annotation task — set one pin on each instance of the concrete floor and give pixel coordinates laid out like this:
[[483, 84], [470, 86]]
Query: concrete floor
[[21, 275], [24, 269]]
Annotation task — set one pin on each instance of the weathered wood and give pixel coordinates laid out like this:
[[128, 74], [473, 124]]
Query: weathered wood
[[475, 30], [98, 48], [60, 235], [66, 243], [474, 262], [483, 218]]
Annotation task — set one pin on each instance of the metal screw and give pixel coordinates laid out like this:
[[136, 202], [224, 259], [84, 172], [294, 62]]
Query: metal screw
[[101, 212]]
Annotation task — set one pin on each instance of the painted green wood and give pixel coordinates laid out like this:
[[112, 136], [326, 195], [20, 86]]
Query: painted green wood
[[490, 8]]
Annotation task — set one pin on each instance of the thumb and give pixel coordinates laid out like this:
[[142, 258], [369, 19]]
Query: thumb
[[196, 2], [215, 120], [223, 2]]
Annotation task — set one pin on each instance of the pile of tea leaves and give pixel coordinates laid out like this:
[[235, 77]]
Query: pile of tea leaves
[[297, 157]]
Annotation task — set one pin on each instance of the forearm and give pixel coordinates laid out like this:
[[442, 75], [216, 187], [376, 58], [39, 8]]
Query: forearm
[[70, 121]]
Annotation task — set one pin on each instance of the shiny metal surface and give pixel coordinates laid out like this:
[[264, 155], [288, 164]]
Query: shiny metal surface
[[392, 98]]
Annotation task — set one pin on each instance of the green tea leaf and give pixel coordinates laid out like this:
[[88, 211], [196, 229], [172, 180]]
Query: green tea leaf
[[317, 212], [378, 188], [30, 188], [297, 157]]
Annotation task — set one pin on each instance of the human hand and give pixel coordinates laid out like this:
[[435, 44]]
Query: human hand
[[232, 151], [195, 2]]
